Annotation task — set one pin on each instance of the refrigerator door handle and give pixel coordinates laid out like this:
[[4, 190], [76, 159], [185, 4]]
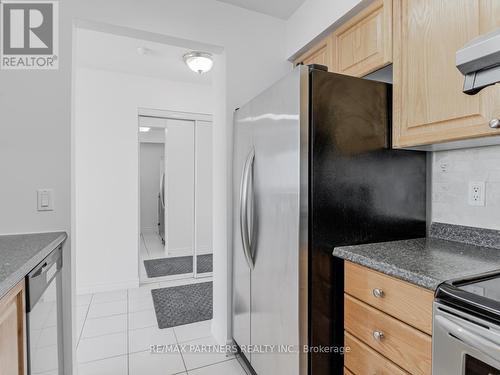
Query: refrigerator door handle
[[244, 228], [162, 190]]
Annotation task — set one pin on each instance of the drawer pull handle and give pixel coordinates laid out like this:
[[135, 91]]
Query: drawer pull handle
[[377, 335], [378, 293], [495, 123]]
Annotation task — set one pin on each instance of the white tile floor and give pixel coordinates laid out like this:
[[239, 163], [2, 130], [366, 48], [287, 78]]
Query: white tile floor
[[115, 331]]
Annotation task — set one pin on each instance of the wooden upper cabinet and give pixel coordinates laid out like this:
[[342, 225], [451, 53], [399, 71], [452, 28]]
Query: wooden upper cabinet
[[429, 106], [13, 332], [319, 54], [364, 43]]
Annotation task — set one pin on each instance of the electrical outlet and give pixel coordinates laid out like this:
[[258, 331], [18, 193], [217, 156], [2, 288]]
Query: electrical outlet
[[477, 191]]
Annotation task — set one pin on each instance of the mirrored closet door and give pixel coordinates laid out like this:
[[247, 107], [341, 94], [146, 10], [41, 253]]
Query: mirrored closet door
[[176, 194]]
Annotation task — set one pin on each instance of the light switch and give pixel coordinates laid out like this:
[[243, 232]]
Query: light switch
[[45, 200]]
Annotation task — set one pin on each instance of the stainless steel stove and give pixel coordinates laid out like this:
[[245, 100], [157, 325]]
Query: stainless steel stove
[[466, 332]]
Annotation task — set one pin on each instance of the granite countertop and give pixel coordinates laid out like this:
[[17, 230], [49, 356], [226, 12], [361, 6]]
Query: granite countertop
[[427, 262], [20, 253]]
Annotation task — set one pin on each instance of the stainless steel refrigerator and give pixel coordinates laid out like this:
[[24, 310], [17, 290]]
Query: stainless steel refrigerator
[[313, 169]]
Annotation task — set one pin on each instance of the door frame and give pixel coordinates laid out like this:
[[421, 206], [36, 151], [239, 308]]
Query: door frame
[[173, 115]]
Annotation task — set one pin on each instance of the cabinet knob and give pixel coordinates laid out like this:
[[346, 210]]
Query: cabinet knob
[[378, 293], [377, 335], [495, 123]]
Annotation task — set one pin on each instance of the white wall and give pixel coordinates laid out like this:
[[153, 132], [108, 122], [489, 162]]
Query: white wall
[[150, 173], [106, 165], [451, 174]]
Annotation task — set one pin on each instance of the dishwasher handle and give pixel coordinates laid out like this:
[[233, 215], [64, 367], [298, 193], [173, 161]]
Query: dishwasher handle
[[39, 279]]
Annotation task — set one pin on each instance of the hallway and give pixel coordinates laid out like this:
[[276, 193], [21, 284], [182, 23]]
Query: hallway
[[116, 330]]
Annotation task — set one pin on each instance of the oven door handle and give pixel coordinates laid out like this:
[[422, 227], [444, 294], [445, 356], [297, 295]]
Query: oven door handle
[[481, 344]]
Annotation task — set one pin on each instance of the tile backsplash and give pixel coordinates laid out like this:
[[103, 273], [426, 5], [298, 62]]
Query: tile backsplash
[[452, 171]]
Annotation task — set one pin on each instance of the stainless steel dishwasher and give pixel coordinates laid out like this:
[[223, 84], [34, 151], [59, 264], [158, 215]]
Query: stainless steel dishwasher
[[44, 316]]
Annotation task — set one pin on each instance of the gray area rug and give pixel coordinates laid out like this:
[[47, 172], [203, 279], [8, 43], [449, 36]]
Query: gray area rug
[[204, 263], [178, 265], [183, 304]]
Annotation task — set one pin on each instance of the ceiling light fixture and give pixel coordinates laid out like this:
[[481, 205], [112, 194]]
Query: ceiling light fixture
[[199, 62], [144, 129]]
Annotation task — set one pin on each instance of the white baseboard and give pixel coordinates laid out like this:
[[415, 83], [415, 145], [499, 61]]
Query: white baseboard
[[107, 287]]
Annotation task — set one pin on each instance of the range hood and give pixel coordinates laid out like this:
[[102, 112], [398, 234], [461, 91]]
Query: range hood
[[479, 62]]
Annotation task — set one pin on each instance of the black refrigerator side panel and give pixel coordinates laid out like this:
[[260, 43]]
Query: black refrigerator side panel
[[361, 191]]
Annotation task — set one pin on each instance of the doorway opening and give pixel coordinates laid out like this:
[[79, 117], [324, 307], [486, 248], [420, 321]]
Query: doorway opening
[[175, 196], [118, 304]]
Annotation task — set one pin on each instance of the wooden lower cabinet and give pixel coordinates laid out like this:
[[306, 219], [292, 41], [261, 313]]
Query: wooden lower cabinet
[[363, 360], [13, 332], [407, 347], [387, 324], [405, 301]]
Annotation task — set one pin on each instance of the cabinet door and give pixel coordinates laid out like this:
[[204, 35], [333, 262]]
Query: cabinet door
[[364, 43], [429, 106], [12, 332], [318, 54]]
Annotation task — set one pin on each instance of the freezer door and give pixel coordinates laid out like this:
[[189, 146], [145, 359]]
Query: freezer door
[[275, 282], [243, 145]]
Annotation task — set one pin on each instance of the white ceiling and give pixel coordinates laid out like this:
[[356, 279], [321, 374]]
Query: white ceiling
[[277, 8], [105, 51]]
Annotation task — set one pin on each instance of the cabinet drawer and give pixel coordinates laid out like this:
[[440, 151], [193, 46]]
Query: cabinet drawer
[[362, 360], [404, 345], [404, 301]]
